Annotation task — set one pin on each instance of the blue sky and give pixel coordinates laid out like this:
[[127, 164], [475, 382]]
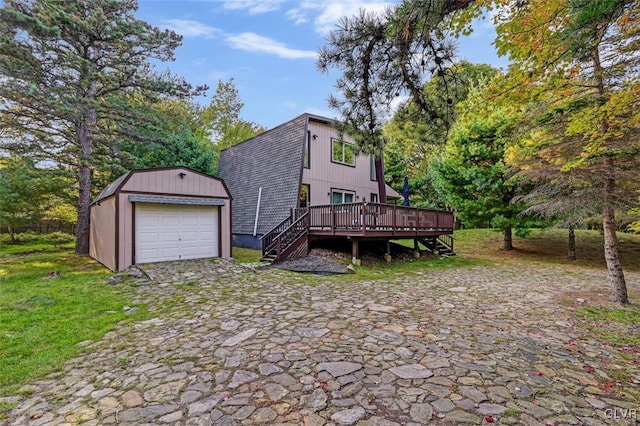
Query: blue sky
[[269, 48]]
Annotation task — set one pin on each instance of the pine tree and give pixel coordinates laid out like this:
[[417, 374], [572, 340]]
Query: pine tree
[[67, 69]]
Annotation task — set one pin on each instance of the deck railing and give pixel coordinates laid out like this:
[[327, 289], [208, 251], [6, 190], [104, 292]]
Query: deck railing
[[373, 217]]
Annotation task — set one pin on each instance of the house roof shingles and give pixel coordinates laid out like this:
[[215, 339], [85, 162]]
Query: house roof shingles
[[271, 160]]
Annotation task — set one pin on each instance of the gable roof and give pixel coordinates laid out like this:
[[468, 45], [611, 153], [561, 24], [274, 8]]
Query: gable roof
[[115, 186], [271, 161], [112, 188]]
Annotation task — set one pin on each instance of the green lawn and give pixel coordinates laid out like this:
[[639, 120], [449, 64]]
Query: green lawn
[[547, 245], [245, 255], [50, 300]]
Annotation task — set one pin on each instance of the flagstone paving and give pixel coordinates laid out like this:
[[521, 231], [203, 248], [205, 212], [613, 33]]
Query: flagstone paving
[[230, 345]]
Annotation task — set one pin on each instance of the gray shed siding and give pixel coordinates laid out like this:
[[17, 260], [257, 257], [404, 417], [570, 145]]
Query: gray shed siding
[[273, 161]]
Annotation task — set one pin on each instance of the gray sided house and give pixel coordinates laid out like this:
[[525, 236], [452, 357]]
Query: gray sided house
[[301, 163]]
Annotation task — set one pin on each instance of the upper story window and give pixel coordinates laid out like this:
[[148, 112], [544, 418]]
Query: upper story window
[[307, 151], [343, 152], [372, 165]]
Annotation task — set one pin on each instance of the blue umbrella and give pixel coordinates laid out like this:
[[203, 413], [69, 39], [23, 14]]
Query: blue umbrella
[[405, 191]]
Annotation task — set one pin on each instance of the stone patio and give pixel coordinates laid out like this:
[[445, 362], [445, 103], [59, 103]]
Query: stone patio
[[232, 345]]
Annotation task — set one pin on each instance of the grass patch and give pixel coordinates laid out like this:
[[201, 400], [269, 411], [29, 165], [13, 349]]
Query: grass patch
[[481, 247], [375, 269], [187, 284], [245, 255], [31, 247], [548, 246], [5, 407], [124, 361], [50, 300], [620, 315], [619, 326], [511, 412]]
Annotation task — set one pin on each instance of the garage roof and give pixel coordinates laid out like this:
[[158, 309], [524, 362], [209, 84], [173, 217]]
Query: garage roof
[[111, 189], [165, 199], [116, 185]]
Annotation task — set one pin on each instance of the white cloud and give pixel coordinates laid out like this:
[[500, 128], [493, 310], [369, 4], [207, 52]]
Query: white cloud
[[252, 42], [334, 10], [189, 28], [297, 16], [324, 13], [327, 13], [255, 7]]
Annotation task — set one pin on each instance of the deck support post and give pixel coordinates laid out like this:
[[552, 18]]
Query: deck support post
[[387, 255], [416, 249], [355, 253]]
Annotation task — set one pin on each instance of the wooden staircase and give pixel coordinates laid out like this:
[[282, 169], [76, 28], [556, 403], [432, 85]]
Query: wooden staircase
[[287, 240], [441, 245]]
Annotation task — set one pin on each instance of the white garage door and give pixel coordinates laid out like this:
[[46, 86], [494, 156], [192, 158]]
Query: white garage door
[[173, 232]]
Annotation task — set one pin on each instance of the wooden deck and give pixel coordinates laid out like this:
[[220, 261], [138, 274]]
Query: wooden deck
[[358, 222]]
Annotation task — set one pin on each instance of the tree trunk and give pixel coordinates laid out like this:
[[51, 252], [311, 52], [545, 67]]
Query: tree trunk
[[572, 244], [614, 268], [382, 190], [507, 242], [12, 234], [84, 132], [84, 202]]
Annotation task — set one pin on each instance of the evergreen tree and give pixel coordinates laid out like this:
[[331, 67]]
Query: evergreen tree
[[68, 69], [417, 138], [382, 57], [474, 175], [25, 192], [578, 60], [222, 118]]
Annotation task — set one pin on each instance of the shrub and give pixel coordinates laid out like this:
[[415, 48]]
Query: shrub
[[58, 238], [22, 237]]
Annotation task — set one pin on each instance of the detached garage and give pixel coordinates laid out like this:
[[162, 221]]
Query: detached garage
[[156, 215]]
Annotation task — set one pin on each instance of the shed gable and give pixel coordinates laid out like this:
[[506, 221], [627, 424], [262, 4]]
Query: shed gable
[[179, 180]]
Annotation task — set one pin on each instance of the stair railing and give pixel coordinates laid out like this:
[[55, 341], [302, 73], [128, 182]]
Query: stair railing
[[286, 237], [269, 238], [447, 240]]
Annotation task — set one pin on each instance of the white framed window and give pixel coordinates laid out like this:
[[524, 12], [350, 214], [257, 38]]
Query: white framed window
[[343, 152], [307, 151], [372, 165], [339, 196]]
